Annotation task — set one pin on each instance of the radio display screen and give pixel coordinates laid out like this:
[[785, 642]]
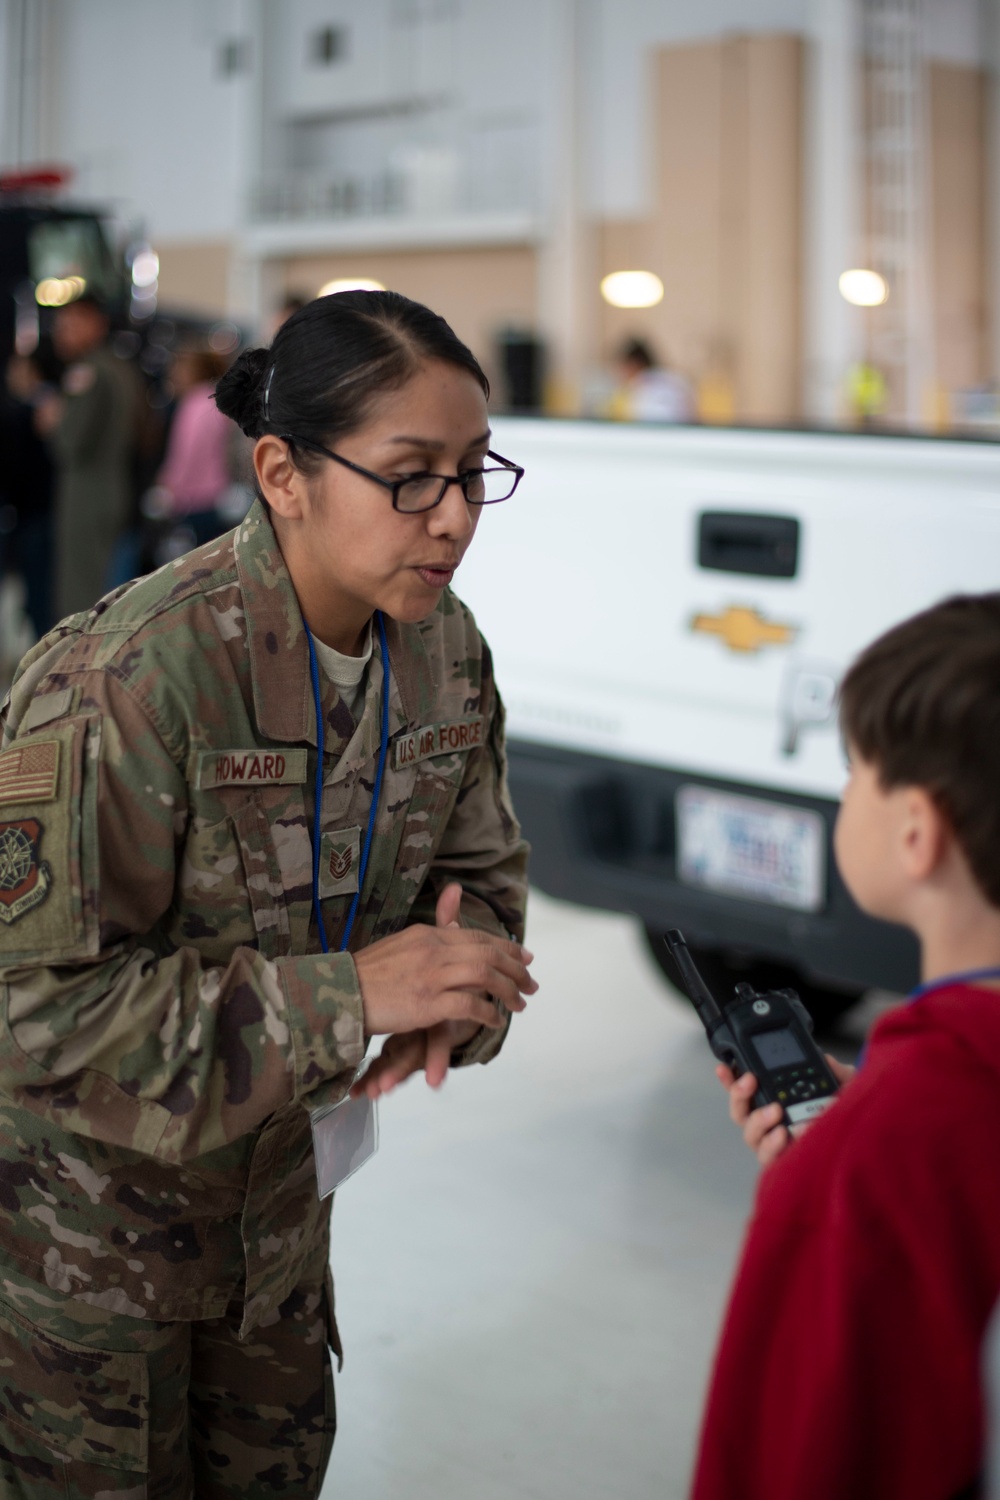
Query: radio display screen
[[778, 1049]]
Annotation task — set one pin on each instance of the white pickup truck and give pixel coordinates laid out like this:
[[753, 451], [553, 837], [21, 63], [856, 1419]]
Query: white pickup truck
[[670, 612]]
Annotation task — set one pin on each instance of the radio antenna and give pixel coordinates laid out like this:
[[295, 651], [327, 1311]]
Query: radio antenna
[[697, 990]]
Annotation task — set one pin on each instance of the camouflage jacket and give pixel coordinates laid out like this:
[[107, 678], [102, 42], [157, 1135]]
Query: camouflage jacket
[[166, 1008]]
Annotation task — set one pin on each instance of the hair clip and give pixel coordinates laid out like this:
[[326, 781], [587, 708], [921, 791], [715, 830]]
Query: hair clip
[[267, 394]]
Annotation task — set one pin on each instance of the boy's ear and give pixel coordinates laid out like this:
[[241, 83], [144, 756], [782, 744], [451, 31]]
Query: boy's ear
[[281, 483], [925, 833]]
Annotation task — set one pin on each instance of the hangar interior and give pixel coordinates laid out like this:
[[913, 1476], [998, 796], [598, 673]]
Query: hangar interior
[[743, 153]]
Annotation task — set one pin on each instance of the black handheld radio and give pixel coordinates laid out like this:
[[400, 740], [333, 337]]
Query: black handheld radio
[[769, 1035]]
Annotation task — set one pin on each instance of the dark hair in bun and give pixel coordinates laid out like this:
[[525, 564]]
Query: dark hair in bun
[[238, 392], [330, 362]]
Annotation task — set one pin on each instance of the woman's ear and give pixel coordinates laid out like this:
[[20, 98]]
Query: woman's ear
[[281, 483]]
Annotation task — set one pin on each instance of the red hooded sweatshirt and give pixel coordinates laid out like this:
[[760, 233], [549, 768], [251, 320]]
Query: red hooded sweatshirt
[[849, 1364]]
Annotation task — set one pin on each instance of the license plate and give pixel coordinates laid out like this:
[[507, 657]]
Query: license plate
[[744, 846]]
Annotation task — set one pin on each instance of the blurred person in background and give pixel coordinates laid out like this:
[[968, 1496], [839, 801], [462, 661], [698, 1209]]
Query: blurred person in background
[[90, 425], [649, 391], [291, 303], [26, 487], [197, 469]]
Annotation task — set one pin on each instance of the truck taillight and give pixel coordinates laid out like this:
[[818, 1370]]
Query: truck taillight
[[36, 179]]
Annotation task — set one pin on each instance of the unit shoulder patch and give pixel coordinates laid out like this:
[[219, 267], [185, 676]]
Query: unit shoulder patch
[[29, 772], [24, 878], [438, 739], [253, 767]]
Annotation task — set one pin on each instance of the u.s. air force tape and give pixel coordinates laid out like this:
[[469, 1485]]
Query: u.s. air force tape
[[437, 739], [215, 768]]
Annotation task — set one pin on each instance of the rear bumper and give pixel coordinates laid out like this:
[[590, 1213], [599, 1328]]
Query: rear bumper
[[603, 834]]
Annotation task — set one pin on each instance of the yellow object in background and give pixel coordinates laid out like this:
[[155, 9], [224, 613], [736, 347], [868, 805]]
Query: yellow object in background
[[937, 410], [619, 407], [867, 392], [561, 399], [716, 401]]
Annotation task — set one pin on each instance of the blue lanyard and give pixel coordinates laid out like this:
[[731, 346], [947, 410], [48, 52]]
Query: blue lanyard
[[318, 809], [968, 976]]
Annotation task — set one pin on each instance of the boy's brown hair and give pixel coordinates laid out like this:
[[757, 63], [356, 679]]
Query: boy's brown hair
[[922, 704]]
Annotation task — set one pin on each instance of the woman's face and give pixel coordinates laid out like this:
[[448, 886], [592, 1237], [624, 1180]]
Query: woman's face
[[349, 544]]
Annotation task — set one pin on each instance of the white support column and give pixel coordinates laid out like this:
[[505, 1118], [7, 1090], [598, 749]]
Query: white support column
[[990, 14], [250, 293], [29, 86], [833, 334]]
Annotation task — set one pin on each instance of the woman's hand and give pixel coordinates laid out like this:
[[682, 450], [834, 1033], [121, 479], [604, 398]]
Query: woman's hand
[[420, 1051], [762, 1129], [424, 976]]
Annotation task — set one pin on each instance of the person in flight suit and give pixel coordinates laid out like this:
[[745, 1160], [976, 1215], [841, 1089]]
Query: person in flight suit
[[169, 1015]]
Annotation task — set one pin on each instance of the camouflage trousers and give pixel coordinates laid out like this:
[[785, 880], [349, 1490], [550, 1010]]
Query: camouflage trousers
[[100, 1406]]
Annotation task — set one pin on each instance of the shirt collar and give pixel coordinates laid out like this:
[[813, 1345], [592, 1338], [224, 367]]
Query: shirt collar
[[279, 655]]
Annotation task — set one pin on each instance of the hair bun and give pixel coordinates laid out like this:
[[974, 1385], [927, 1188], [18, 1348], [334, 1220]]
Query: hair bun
[[239, 394]]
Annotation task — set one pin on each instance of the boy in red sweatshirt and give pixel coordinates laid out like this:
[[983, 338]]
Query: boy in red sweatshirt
[[849, 1363]]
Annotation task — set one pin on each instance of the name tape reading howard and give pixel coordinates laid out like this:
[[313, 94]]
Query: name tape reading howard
[[249, 768]]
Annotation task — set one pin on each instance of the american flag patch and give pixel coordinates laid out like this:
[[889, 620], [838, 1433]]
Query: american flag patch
[[30, 773]]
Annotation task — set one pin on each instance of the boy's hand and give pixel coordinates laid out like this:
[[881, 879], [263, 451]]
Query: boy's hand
[[762, 1128]]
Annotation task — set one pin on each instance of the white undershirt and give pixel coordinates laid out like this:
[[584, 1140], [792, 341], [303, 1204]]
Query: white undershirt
[[347, 673]]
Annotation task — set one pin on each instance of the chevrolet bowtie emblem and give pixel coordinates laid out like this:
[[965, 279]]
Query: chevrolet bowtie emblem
[[743, 630]]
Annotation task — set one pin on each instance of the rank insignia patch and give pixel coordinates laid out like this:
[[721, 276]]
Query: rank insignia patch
[[338, 862], [24, 878]]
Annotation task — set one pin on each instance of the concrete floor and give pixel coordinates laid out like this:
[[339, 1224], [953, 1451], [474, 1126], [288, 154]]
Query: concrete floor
[[531, 1271]]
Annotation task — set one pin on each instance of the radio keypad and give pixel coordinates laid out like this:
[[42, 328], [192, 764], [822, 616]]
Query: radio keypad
[[795, 1084]]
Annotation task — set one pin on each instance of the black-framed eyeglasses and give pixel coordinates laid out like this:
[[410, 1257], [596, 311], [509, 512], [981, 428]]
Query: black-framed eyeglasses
[[422, 491]]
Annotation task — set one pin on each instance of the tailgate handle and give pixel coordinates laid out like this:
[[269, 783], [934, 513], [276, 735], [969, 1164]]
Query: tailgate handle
[[737, 541]]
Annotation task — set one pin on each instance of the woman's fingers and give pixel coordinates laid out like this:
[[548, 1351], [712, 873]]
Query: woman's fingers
[[440, 1040], [401, 1056], [449, 905], [483, 978], [471, 938], [479, 961], [425, 975]]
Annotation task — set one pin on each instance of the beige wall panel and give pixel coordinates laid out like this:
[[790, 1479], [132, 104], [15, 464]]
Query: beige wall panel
[[958, 131], [681, 241], [725, 235], [689, 218], [194, 275], [768, 149], [479, 291]]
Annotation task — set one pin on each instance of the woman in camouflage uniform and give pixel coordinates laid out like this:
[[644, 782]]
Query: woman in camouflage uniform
[[170, 1014]]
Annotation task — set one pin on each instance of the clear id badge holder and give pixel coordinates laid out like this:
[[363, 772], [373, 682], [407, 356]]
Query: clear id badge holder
[[345, 1136]]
